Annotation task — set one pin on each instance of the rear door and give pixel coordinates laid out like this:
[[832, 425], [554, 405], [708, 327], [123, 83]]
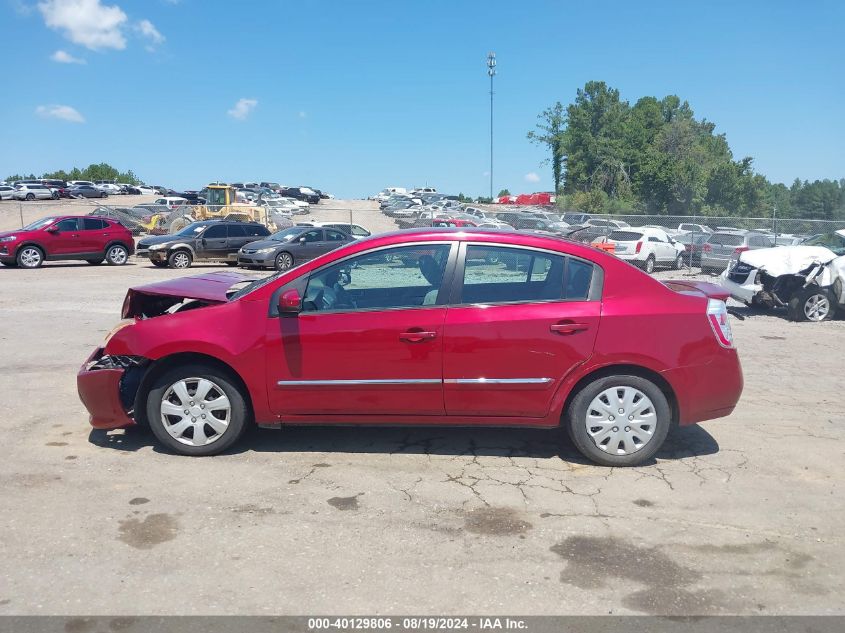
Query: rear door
[[93, 235], [520, 320], [236, 238]]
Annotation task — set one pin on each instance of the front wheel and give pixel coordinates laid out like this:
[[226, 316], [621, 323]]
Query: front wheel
[[619, 420], [180, 259], [284, 261], [811, 304], [30, 257], [196, 410], [117, 255]]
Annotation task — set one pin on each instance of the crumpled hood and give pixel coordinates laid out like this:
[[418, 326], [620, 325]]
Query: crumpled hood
[[208, 287], [786, 260]]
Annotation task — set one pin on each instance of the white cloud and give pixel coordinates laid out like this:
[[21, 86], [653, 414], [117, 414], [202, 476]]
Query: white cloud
[[86, 22], [149, 31], [62, 112], [532, 177], [242, 109], [66, 58]]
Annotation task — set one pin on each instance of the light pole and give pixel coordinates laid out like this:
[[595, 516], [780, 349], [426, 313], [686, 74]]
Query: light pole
[[491, 71]]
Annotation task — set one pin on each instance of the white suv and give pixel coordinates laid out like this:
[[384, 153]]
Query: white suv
[[647, 248], [34, 192]]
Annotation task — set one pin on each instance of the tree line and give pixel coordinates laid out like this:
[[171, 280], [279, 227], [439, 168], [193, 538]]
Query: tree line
[[655, 157], [101, 171]]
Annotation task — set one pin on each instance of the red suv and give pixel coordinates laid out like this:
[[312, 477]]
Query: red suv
[[91, 238], [485, 328]]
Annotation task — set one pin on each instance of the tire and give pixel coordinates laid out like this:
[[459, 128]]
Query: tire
[[812, 304], [94, 262], [284, 261], [180, 259], [30, 257], [178, 431], [55, 195], [679, 262], [30, 197], [594, 437], [117, 255], [648, 265]]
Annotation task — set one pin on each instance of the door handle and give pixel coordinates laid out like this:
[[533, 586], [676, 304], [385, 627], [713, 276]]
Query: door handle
[[568, 328], [417, 336]]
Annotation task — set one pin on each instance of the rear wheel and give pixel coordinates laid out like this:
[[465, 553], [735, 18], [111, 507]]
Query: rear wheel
[[648, 265], [55, 195], [619, 420], [196, 410], [30, 257], [180, 259], [811, 304], [30, 197], [117, 255], [679, 262]]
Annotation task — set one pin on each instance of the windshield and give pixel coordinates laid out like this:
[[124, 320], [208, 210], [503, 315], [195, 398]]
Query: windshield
[[833, 241], [191, 229], [286, 234], [39, 224]]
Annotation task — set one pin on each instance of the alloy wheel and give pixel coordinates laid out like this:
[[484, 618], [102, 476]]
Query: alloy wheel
[[195, 411], [181, 260], [117, 255], [816, 307], [621, 420], [30, 258]]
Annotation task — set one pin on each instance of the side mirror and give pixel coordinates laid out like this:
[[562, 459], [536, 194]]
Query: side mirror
[[301, 240], [52, 229], [290, 302]]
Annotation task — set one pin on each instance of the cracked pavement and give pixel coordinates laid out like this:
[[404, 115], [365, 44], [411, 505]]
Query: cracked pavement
[[738, 515]]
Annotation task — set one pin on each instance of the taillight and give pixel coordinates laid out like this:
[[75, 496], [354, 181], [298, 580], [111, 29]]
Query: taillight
[[740, 249], [707, 248], [717, 314], [639, 247]]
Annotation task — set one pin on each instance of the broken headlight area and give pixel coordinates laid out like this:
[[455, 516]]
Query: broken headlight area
[[116, 362]]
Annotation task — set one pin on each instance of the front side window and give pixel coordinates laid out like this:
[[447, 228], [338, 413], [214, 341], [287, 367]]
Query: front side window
[[68, 224], [496, 274], [312, 236], [401, 277]]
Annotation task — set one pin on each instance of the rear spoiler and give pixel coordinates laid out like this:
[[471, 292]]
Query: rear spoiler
[[701, 288]]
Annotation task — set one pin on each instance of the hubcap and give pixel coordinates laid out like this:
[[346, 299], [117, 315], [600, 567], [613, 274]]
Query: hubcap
[[816, 307], [117, 255], [284, 261], [30, 257], [195, 411], [621, 420], [181, 260]]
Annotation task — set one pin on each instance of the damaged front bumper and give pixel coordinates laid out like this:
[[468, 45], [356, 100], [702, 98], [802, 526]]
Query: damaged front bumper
[[107, 386]]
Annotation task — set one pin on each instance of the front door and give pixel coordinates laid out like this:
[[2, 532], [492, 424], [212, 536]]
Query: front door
[[64, 238], [522, 321], [308, 245], [369, 340]]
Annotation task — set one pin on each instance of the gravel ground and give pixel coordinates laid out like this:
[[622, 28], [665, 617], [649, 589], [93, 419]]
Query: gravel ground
[[738, 515]]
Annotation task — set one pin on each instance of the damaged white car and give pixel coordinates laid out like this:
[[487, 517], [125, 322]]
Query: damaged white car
[[808, 280]]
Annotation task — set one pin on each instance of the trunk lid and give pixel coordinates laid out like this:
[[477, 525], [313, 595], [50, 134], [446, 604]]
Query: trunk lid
[[697, 288]]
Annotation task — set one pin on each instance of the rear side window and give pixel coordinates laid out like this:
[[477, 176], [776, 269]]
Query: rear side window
[[255, 230], [93, 224], [494, 274], [237, 230]]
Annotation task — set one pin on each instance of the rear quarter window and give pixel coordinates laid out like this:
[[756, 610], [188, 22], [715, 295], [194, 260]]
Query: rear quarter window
[[722, 239], [625, 236]]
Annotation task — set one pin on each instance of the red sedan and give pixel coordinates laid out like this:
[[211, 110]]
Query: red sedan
[[486, 328]]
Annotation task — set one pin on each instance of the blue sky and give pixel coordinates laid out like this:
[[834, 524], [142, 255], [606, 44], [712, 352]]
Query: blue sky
[[352, 97]]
